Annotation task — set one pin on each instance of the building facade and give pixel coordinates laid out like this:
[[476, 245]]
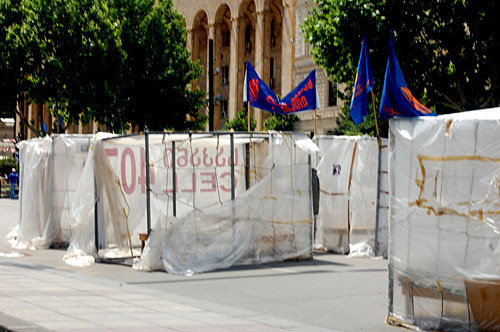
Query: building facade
[[330, 103], [265, 32]]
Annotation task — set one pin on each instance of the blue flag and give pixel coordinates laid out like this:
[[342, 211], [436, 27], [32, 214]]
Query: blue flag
[[362, 86], [397, 99], [258, 94]]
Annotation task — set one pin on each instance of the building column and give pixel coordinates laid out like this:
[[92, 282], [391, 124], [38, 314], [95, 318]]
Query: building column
[[18, 124], [288, 46], [32, 120], [259, 59], [233, 68], [47, 118], [80, 127]]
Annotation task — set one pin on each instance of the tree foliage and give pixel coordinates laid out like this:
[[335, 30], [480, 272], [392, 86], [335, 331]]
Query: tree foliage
[[280, 122], [240, 121], [7, 164], [157, 70], [77, 51], [119, 62], [16, 58], [9, 16], [448, 50]]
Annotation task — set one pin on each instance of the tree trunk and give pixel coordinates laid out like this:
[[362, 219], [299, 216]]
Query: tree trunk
[[23, 118]]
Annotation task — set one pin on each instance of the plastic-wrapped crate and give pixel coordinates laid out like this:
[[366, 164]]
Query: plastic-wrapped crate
[[50, 169], [348, 172], [216, 199], [445, 221]]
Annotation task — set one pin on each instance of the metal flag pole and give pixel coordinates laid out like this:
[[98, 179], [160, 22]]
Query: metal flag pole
[[311, 204], [315, 123], [376, 123], [233, 208], [248, 116], [96, 217], [379, 140], [148, 185], [316, 106], [174, 182]]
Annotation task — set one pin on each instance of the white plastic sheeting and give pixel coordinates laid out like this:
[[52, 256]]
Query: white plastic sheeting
[[34, 193], [209, 229], [50, 169], [348, 172], [444, 255], [68, 159], [82, 247]]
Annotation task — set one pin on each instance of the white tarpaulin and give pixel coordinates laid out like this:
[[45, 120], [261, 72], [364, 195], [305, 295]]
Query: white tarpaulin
[[348, 172], [50, 169], [444, 255], [274, 166]]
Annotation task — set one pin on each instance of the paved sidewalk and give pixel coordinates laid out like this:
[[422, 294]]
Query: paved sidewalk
[[38, 292], [39, 297]]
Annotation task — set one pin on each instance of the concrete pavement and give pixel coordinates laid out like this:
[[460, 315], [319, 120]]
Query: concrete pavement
[[39, 292]]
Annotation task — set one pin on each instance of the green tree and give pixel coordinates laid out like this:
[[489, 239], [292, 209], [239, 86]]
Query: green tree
[[157, 70], [17, 59], [448, 50], [119, 62], [240, 121], [280, 122], [347, 127], [78, 58], [9, 16]]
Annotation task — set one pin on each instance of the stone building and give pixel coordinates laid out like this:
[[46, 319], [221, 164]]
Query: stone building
[[327, 91], [265, 32], [6, 129], [7, 147]]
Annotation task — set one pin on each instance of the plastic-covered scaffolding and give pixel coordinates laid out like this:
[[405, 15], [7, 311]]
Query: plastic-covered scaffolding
[[444, 255], [349, 220], [50, 168], [207, 200]]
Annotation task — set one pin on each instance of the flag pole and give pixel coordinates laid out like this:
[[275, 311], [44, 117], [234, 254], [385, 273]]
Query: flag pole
[[379, 166], [315, 123], [377, 216], [248, 116], [376, 123]]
